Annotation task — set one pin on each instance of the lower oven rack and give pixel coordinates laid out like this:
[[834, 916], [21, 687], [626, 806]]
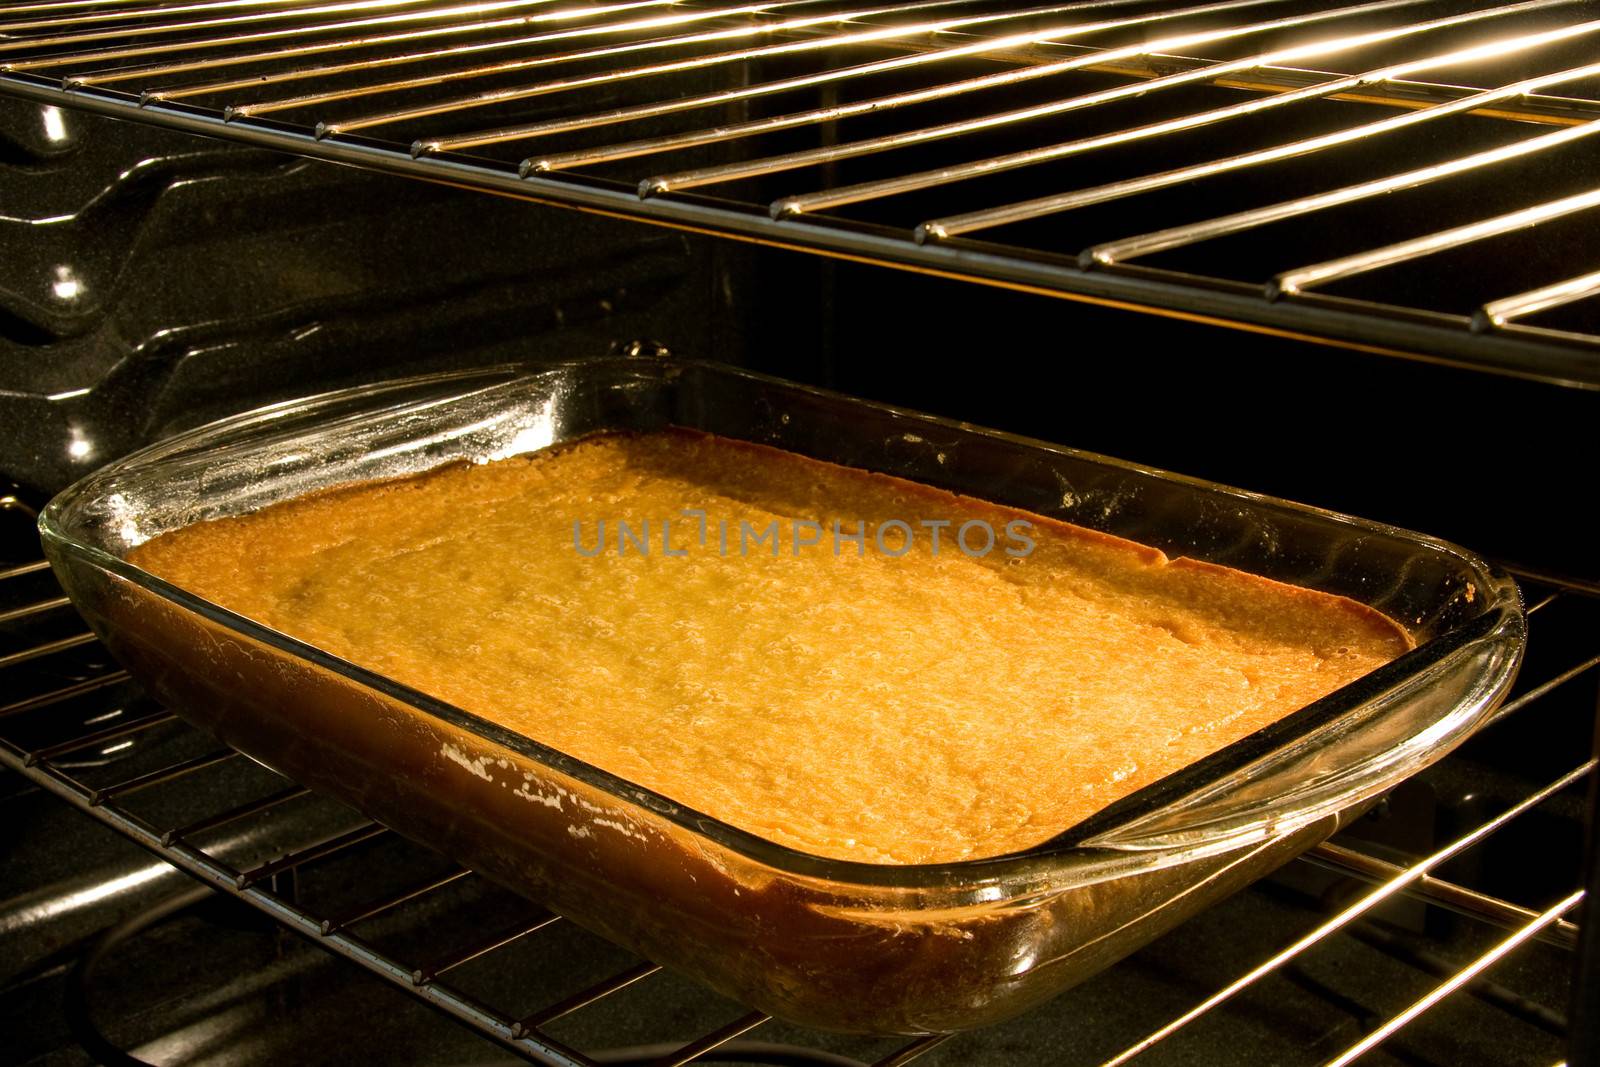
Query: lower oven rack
[[613, 107], [271, 884]]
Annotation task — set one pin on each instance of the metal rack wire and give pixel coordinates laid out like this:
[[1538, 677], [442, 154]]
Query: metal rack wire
[[1024, 146], [270, 884]]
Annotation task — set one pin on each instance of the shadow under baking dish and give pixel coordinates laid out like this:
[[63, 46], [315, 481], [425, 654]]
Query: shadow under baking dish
[[822, 942]]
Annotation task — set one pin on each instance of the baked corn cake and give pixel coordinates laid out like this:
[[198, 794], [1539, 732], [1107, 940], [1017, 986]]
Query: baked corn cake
[[842, 662]]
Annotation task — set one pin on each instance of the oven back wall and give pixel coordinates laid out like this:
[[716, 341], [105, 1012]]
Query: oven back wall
[[151, 280], [1498, 464]]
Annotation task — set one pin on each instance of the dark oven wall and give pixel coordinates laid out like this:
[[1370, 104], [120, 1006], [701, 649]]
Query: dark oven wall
[[1496, 463], [152, 280]]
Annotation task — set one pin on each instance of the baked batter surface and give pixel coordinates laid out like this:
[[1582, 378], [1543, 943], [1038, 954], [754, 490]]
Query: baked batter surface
[[920, 708]]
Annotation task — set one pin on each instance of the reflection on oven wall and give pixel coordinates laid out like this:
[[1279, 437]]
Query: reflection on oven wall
[[152, 280]]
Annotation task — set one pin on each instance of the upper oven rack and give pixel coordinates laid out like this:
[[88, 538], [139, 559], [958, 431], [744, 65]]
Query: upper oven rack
[[806, 124]]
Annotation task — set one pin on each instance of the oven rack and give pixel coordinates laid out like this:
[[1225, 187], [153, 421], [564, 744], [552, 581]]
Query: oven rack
[[603, 105], [271, 884]]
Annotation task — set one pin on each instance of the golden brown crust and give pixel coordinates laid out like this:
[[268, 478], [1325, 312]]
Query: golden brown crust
[[926, 708]]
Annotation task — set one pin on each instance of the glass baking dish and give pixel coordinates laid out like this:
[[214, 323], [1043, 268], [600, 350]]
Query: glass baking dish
[[823, 942]]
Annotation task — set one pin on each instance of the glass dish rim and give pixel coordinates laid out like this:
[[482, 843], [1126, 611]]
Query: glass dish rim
[[1070, 849]]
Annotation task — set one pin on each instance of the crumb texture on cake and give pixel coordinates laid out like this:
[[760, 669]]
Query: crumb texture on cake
[[920, 709]]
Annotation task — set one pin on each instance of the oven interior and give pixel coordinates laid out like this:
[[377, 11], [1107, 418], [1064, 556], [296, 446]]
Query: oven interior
[[152, 279]]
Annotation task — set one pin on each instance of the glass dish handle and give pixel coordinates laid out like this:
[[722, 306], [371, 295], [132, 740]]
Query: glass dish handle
[[1347, 761]]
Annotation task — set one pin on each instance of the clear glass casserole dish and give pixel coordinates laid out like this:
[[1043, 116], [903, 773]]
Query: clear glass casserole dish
[[823, 942]]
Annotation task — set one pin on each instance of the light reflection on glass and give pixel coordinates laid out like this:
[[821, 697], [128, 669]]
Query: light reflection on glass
[[539, 431], [1024, 959], [452, 434]]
